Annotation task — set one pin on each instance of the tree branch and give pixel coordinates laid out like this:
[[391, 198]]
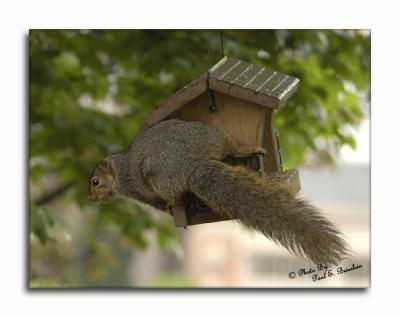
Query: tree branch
[[44, 199]]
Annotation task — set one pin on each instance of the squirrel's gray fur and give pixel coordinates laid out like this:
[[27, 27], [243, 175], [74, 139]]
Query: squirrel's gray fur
[[174, 157]]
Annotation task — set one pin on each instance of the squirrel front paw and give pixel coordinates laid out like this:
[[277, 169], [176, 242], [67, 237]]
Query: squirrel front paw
[[245, 150], [259, 150]]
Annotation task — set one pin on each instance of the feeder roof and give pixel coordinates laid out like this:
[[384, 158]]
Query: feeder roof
[[235, 78]]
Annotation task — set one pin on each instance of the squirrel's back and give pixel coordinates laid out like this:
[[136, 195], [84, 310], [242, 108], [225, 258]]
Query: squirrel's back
[[193, 137]]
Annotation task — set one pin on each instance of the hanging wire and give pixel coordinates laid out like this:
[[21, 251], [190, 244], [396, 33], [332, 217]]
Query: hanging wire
[[209, 50], [212, 107], [221, 36]]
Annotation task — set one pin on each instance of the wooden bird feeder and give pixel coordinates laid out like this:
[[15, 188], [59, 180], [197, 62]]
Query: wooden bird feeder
[[239, 98]]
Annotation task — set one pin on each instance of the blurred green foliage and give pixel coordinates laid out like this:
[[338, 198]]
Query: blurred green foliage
[[89, 92], [165, 281]]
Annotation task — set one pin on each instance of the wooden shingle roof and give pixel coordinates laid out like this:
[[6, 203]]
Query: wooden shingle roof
[[236, 78]]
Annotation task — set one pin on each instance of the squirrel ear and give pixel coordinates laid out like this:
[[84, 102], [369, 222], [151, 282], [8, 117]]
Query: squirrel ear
[[107, 165]]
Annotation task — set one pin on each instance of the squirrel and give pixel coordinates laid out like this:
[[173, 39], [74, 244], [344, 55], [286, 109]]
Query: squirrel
[[174, 157]]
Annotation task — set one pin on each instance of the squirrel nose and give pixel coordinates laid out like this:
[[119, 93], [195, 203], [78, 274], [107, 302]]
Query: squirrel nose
[[90, 195]]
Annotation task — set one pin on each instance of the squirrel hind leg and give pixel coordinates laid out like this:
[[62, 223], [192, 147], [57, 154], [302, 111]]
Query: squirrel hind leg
[[167, 193]]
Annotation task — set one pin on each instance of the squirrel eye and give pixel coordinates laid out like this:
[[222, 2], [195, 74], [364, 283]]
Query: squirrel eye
[[95, 181]]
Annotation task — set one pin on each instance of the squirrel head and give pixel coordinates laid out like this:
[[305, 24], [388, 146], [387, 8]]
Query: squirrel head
[[102, 183]]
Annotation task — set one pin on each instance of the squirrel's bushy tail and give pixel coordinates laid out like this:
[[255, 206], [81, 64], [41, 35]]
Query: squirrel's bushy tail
[[269, 208]]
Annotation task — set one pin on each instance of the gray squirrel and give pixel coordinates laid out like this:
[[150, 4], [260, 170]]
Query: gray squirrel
[[174, 157]]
